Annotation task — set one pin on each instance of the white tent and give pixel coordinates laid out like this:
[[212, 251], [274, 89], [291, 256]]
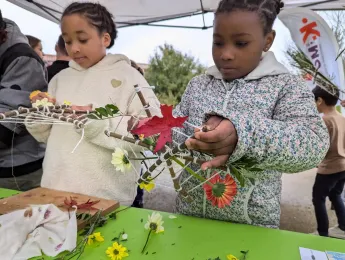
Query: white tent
[[148, 12]]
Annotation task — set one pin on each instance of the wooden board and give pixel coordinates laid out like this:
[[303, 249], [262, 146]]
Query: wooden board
[[41, 196]]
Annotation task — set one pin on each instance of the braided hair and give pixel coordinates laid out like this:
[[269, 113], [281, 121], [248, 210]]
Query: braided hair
[[97, 15], [266, 9], [3, 32]]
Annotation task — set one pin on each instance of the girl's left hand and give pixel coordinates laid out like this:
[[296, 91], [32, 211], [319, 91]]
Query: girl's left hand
[[219, 140]]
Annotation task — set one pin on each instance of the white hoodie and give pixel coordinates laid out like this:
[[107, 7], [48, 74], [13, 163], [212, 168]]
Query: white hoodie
[[89, 170]]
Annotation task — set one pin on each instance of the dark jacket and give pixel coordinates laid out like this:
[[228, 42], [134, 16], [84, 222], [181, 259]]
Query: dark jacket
[[56, 67], [23, 75]]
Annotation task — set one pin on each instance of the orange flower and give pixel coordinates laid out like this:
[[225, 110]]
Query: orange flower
[[220, 191], [34, 93]]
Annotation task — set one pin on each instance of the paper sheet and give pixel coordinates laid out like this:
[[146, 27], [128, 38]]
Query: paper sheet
[[309, 254]]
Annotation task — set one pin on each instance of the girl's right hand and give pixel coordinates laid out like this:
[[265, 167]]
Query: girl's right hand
[[342, 103], [42, 95]]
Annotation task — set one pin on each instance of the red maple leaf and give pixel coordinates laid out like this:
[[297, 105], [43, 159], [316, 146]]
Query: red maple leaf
[[160, 125]]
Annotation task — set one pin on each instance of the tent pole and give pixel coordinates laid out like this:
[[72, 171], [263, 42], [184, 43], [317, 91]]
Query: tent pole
[[44, 10], [203, 12], [319, 3]]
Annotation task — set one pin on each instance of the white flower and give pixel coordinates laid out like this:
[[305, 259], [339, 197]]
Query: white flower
[[42, 103], [120, 160], [172, 217], [155, 223], [124, 236]]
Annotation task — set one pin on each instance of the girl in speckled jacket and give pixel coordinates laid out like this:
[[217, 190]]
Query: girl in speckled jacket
[[268, 115]]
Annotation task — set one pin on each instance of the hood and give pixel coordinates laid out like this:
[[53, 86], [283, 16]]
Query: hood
[[268, 66], [104, 64], [14, 36]]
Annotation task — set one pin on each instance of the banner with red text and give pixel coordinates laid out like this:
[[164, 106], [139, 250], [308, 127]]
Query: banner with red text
[[314, 37]]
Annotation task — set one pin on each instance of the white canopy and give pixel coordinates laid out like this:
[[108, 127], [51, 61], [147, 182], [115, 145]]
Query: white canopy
[[146, 12]]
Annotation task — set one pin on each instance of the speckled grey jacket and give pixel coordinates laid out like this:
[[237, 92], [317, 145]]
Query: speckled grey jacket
[[277, 125]]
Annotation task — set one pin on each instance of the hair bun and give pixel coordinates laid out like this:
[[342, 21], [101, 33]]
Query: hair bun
[[280, 5]]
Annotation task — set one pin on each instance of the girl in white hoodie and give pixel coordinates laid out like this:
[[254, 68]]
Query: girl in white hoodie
[[93, 77]]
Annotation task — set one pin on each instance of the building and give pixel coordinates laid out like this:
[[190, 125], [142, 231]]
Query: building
[[49, 59]]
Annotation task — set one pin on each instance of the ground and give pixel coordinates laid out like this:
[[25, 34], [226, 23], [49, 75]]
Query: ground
[[296, 204]]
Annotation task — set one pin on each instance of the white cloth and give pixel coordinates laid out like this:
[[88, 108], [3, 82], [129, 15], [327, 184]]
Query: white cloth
[[89, 170], [48, 230]]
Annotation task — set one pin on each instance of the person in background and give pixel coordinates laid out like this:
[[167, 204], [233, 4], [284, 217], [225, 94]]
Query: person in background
[[21, 72], [62, 59], [36, 44], [330, 178]]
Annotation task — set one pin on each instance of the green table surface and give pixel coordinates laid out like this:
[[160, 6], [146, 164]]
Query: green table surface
[[195, 238]]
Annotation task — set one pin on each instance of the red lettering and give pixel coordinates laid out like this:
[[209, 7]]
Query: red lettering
[[309, 30]]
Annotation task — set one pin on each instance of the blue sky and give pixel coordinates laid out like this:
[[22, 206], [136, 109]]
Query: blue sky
[[139, 42]]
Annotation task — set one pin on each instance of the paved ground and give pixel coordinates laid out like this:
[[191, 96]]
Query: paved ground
[[297, 209]]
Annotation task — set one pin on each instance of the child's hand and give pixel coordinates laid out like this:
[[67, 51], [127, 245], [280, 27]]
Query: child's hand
[[42, 95], [135, 122], [219, 140], [132, 124]]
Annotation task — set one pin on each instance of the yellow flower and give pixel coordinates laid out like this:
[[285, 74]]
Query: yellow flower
[[67, 103], [34, 93], [95, 237], [231, 257], [42, 103], [155, 223], [147, 185], [141, 137], [120, 160], [117, 252]]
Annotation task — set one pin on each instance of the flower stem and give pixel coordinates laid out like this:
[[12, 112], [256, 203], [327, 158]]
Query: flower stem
[[189, 170], [142, 159], [147, 240]]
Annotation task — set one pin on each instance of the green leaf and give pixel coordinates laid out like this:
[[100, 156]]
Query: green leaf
[[238, 175], [114, 109], [92, 116], [255, 170], [148, 141], [189, 170], [102, 111], [252, 181]]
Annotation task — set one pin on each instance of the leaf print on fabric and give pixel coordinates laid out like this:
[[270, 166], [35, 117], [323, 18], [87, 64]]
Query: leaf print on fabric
[[58, 247], [47, 214]]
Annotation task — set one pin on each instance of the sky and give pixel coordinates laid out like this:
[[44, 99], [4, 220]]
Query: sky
[[140, 42]]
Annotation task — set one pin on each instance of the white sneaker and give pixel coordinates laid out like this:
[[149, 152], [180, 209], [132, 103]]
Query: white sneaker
[[336, 232]]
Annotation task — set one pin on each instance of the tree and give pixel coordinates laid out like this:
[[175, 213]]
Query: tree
[[170, 71]]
